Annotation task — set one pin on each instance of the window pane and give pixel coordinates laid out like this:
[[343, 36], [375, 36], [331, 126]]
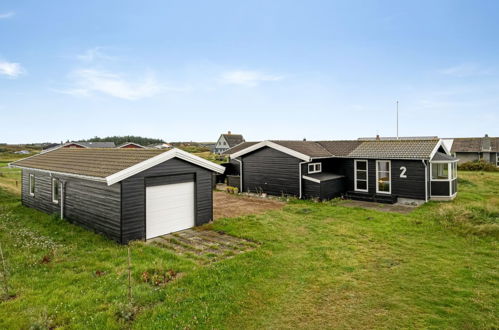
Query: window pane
[[440, 171], [361, 165], [383, 185], [362, 175], [361, 185], [383, 166]]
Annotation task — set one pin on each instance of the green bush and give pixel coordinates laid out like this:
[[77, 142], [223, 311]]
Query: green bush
[[479, 165]]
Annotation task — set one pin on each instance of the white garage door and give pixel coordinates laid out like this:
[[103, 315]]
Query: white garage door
[[169, 208]]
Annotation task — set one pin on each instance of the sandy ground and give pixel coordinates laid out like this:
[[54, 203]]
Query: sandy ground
[[229, 206]]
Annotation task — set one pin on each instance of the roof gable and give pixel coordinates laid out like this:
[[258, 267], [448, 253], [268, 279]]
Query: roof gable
[[233, 139]]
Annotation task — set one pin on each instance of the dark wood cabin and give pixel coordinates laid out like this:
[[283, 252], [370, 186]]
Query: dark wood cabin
[[375, 170], [125, 194]]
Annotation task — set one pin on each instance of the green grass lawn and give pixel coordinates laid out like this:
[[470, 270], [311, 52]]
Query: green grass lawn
[[319, 265]]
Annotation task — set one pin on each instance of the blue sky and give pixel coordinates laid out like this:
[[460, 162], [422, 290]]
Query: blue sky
[[186, 70]]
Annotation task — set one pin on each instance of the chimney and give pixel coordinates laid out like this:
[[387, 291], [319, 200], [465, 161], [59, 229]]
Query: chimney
[[377, 137], [486, 145], [229, 132]]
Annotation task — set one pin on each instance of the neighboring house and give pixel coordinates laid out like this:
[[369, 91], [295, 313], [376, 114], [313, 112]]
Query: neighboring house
[[227, 141], [159, 146], [472, 149], [379, 170], [130, 145], [81, 145], [125, 194]]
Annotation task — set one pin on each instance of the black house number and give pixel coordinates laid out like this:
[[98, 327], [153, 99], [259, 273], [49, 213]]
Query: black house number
[[403, 169]]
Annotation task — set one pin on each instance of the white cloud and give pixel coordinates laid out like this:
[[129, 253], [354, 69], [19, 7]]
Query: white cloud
[[466, 70], [93, 54], [247, 78], [11, 69], [7, 15], [90, 81]]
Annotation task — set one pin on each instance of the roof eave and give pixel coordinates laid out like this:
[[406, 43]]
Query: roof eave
[[158, 159]]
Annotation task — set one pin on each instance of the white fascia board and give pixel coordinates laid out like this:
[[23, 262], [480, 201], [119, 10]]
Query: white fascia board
[[437, 146], [79, 176], [444, 161], [146, 164], [311, 179], [272, 145]]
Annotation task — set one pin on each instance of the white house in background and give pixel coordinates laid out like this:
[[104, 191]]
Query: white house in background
[[227, 141]]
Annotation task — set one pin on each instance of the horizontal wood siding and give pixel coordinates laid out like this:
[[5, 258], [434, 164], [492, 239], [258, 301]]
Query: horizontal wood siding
[[311, 189], [94, 205], [412, 187], [271, 171], [332, 188], [133, 195], [440, 188]]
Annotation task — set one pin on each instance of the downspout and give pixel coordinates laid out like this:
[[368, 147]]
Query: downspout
[[240, 174], [425, 180], [63, 185], [300, 178]]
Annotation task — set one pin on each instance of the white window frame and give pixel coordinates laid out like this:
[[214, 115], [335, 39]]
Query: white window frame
[[389, 177], [355, 175], [32, 185], [316, 168], [54, 183], [449, 171]]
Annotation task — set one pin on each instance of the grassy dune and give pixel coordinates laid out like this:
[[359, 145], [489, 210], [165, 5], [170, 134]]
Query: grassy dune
[[319, 265]]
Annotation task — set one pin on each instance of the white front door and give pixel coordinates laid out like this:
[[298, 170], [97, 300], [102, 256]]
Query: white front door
[[169, 208]]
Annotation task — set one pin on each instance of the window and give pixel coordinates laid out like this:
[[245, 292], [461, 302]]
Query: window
[[440, 171], [360, 175], [314, 168], [32, 184], [454, 170], [383, 176], [56, 192]]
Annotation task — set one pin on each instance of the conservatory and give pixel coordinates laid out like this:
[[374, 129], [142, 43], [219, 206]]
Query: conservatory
[[443, 177]]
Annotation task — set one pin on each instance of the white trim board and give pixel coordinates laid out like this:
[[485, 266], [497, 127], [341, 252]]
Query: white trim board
[[311, 179], [355, 175], [390, 177], [173, 153], [272, 145]]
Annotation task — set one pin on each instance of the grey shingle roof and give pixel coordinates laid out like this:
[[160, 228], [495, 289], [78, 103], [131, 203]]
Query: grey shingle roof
[[90, 162], [442, 156], [309, 148], [395, 149], [233, 139], [384, 149], [239, 147], [474, 144], [340, 147]]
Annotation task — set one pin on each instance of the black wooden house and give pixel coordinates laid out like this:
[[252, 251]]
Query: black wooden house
[[377, 170], [126, 194]]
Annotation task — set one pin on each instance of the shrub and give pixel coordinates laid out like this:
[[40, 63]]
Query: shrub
[[232, 190], [479, 165]]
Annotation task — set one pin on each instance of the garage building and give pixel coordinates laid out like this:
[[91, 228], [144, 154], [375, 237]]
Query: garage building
[[125, 194]]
